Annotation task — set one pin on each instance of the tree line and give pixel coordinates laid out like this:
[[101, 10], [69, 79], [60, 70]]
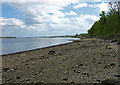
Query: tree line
[[109, 23]]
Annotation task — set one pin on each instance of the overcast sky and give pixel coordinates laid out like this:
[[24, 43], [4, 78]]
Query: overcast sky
[[49, 17]]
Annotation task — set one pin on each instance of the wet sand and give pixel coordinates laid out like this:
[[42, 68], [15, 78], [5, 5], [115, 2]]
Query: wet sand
[[85, 61]]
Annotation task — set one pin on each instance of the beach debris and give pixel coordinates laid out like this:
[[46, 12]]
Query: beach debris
[[51, 52]]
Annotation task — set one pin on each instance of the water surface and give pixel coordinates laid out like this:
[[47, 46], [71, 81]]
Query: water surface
[[12, 45]]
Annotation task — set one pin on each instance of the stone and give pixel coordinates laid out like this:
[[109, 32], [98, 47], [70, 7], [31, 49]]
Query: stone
[[81, 65], [113, 56], [117, 75], [74, 70], [72, 82], [109, 48], [18, 77], [77, 72], [51, 52], [65, 79], [111, 82], [98, 80], [112, 64], [6, 69], [86, 74], [113, 40]]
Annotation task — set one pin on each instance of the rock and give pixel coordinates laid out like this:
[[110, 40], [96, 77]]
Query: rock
[[99, 63], [78, 72], [6, 69], [118, 65], [61, 54], [65, 79], [35, 74], [74, 70], [38, 83], [16, 68], [106, 66], [117, 75], [98, 80], [94, 58], [31, 59], [81, 65], [26, 64], [109, 48], [18, 77], [118, 42], [111, 82], [86, 74], [112, 64], [51, 52], [113, 56], [72, 82], [93, 41], [113, 40], [8, 79], [27, 79]]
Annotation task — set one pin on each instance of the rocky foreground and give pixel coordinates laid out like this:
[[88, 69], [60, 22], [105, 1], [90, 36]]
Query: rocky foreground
[[85, 61]]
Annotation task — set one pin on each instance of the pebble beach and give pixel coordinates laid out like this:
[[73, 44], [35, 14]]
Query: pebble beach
[[88, 60]]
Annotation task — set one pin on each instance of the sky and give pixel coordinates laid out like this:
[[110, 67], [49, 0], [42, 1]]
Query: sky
[[23, 18]]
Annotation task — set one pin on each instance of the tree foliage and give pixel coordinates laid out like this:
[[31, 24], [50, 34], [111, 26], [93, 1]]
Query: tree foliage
[[108, 25]]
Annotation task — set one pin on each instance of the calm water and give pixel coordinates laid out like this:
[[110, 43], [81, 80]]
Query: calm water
[[11, 45]]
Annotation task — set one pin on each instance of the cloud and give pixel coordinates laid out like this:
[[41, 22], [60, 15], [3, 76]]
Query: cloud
[[102, 7], [54, 0], [46, 18], [71, 13], [85, 21], [80, 5], [11, 22], [40, 12], [79, 24]]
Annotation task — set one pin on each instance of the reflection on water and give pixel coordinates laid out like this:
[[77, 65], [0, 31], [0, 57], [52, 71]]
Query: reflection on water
[[11, 45]]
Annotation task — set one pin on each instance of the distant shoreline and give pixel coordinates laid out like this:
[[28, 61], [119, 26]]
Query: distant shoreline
[[67, 36], [7, 37]]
